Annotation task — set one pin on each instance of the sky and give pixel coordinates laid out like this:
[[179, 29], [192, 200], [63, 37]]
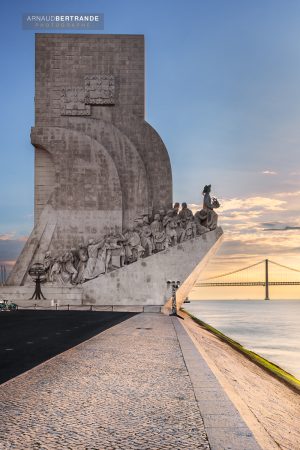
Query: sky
[[222, 90]]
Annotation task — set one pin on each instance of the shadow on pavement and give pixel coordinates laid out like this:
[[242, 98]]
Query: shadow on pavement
[[28, 338]]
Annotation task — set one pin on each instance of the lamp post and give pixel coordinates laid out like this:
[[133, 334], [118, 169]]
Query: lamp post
[[38, 274], [175, 285]]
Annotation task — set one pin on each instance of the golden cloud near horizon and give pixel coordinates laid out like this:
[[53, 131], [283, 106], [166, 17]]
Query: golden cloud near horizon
[[256, 228]]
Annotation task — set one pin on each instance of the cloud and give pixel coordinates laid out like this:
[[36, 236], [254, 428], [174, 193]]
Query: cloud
[[288, 194], [194, 207], [12, 236], [280, 228], [286, 228], [258, 227], [253, 203], [269, 172], [7, 236]]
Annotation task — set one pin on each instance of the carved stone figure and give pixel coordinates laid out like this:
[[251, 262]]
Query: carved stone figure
[[133, 247], [75, 256], [92, 250], [115, 251], [56, 270], [158, 234], [189, 230], [170, 224], [68, 271], [185, 214], [83, 257], [176, 208], [209, 205], [187, 221], [120, 239], [179, 229], [162, 214], [201, 219], [102, 260], [146, 236], [48, 262]]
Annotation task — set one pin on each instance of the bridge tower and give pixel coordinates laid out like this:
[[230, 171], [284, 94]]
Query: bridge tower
[[267, 279]]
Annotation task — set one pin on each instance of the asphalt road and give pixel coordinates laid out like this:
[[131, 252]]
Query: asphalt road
[[28, 338]]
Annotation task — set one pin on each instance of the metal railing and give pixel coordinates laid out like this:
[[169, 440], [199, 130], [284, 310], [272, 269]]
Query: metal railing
[[67, 307], [70, 307]]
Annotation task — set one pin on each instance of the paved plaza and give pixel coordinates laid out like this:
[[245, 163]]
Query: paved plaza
[[138, 385], [28, 338]]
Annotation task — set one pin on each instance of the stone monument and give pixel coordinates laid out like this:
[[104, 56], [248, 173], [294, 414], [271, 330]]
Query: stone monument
[[103, 181]]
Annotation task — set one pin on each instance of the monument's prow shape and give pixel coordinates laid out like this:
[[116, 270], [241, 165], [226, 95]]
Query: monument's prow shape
[[98, 167]]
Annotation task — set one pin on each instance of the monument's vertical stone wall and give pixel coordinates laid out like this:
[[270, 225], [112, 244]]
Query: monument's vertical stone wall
[[63, 61], [44, 182], [98, 163]]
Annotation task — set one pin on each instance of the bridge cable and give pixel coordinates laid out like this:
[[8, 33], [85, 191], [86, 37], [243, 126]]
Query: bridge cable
[[285, 267], [234, 271]]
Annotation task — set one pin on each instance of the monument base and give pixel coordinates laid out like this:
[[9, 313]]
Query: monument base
[[138, 287], [145, 281]]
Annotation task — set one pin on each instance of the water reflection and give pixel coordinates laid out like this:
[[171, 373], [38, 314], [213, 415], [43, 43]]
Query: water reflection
[[270, 328]]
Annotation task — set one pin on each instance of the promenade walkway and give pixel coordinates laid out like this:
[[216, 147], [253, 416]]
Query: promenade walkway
[[138, 385]]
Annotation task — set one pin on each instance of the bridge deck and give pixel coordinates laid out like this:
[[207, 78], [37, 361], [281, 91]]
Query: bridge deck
[[251, 283]]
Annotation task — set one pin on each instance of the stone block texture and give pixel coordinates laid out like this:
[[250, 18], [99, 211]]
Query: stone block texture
[[98, 163], [145, 281]]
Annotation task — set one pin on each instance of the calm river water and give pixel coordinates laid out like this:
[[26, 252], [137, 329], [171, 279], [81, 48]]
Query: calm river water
[[269, 328]]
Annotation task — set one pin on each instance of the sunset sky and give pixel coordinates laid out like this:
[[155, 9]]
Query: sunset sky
[[223, 91]]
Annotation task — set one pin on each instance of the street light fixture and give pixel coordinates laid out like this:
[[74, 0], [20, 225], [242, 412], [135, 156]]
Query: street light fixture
[[174, 285]]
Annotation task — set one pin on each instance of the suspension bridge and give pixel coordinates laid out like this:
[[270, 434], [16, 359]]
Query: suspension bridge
[[273, 274]]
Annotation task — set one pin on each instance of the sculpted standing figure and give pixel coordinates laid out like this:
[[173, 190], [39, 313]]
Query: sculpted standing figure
[[92, 250], [83, 257], [75, 257], [133, 247], [170, 225], [209, 204], [116, 251], [162, 214], [187, 221], [176, 219], [176, 208], [48, 263], [56, 271], [68, 273], [158, 234], [103, 258], [146, 236]]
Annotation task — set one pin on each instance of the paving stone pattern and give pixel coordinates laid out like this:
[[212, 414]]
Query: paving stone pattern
[[126, 388], [225, 428]]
